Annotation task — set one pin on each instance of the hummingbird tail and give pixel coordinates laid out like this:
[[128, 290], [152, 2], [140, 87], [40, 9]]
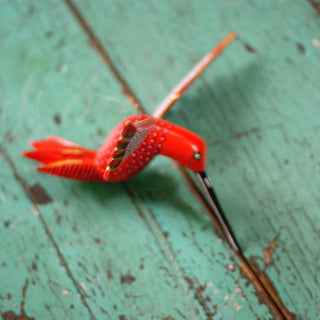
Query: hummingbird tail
[[64, 158]]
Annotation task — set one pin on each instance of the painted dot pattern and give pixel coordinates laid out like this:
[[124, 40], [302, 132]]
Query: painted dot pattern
[[128, 149], [138, 160], [147, 150]]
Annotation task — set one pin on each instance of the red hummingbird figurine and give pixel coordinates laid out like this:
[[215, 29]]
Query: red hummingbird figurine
[[133, 143]]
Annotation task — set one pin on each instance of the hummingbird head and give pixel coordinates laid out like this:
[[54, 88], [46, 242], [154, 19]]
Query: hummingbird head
[[184, 146]]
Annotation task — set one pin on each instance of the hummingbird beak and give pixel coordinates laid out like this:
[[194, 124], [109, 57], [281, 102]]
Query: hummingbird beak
[[217, 211]]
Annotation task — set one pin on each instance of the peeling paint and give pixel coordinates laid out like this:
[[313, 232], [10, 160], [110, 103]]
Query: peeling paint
[[39, 194], [127, 278], [10, 315]]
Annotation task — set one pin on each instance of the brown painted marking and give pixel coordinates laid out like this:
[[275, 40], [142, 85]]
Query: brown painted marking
[[268, 252], [39, 194]]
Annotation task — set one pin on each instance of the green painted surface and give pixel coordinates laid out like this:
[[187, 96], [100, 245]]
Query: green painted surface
[[30, 269], [145, 249]]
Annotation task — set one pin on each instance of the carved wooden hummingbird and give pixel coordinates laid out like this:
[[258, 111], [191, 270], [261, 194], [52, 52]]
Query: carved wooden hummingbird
[[133, 143]]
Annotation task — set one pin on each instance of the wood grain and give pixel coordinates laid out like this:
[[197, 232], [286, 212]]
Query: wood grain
[[146, 249], [257, 107]]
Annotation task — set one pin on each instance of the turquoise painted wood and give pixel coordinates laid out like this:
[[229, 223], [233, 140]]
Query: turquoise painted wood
[[109, 252], [33, 281], [257, 107], [146, 248]]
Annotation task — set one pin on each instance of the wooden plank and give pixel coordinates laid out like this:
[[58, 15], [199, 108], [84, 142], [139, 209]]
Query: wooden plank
[[257, 108], [128, 251], [131, 251], [33, 281]]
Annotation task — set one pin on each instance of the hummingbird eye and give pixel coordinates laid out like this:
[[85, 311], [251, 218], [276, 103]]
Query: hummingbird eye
[[197, 156]]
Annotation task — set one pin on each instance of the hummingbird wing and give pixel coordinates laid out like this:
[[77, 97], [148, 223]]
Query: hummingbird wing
[[132, 135]]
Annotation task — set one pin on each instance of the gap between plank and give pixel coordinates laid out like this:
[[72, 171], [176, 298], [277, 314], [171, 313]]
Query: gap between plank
[[96, 44], [59, 253], [260, 281], [266, 290], [148, 217]]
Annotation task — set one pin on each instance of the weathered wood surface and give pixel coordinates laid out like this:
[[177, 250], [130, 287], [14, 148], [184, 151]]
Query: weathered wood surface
[[145, 249]]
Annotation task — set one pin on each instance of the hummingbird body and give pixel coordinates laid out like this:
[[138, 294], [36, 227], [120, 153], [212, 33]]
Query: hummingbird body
[[133, 143], [127, 150]]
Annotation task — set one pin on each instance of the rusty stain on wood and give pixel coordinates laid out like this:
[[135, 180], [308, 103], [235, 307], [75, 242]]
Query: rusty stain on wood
[[127, 278], [265, 291], [10, 315], [268, 252], [316, 5], [264, 284]]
